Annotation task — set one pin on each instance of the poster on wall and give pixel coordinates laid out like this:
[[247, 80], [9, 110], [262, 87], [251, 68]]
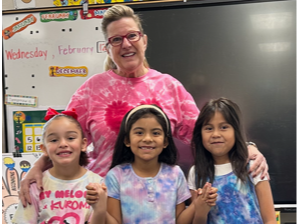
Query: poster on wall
[[28, 127], [13, 170], [24, 4]]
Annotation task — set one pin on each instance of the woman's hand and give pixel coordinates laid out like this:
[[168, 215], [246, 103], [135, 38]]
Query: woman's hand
[[35, 174], [259, 164]]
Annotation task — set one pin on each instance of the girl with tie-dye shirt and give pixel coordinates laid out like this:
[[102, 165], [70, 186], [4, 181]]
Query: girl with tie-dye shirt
[[221, 155], [144, 184]]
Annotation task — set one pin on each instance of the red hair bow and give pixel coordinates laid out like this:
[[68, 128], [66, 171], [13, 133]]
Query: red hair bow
[[51, 113]]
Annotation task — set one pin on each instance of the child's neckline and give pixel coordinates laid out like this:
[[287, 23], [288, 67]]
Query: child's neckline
[[84, 172], [145, 178]]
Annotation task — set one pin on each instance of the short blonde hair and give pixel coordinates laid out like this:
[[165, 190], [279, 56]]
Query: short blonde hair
[[115, 13]]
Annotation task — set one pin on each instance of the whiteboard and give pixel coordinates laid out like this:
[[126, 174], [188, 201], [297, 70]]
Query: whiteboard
[[29, 54]]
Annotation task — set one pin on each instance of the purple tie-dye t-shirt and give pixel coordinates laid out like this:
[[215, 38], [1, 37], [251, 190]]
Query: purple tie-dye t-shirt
[[103, 100], [151, 200]]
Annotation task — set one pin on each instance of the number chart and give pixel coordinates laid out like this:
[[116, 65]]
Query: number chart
[[28, 126]]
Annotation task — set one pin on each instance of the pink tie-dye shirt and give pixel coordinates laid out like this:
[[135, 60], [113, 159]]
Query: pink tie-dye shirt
[[103, 100]]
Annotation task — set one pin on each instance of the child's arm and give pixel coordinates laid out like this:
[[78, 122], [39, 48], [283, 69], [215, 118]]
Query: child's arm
[[96, 197], [264, 195], [35, 174], [114, 210], [184, 216], [200, 200]]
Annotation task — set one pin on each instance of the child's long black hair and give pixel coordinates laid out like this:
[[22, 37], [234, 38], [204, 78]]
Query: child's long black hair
[[204, 163], [123, 154]]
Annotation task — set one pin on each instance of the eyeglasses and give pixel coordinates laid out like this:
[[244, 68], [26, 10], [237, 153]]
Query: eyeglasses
[[118, 39]]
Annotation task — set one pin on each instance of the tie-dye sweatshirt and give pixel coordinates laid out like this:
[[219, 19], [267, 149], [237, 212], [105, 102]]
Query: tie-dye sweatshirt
[[150, 200], [103, 100], [61, 201]]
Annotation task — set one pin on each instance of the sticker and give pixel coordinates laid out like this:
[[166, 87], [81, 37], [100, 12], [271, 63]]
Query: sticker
[[68, 71], [18, 100], [58, 16], [18, 26], [93, 13]]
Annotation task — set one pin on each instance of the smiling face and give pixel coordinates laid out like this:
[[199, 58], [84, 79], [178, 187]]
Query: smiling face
[[128, 56], [147, 139], [63, 142], [218, 137]]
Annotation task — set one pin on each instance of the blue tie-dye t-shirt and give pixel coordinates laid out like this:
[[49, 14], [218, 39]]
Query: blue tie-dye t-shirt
[[148, 200], [236, 202]]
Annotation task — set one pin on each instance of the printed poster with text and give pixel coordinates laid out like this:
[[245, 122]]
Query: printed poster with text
[[13, 170]]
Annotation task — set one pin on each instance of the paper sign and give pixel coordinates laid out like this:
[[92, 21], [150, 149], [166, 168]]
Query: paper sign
[[8, 32], [13, 170], [58, 16], [93, 13], [18, 100], [68, 71]]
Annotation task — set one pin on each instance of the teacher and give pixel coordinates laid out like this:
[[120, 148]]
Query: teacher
[[103, 100]]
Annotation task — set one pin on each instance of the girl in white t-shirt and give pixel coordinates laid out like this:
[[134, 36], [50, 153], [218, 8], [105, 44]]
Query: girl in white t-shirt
[[221, 155]]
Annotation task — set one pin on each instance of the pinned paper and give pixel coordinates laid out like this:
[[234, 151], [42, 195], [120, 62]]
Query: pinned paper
[[18, 26], [19, 100], [68, 71], [23, 4], [93, 13], [58, 16]]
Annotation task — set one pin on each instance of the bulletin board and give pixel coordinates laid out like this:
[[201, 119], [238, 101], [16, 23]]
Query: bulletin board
[[13, 170], [27, 126], [48, 55]]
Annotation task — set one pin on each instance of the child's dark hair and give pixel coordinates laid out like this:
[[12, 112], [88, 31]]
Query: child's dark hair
[[83, 161], [204, 163], [123, 154]]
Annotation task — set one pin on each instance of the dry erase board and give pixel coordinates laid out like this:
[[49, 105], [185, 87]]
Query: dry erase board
[[48, 55]]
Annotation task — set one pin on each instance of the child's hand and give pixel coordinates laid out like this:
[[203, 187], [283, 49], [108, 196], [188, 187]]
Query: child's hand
[[96, 195], [206, 198], [211, 197]]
